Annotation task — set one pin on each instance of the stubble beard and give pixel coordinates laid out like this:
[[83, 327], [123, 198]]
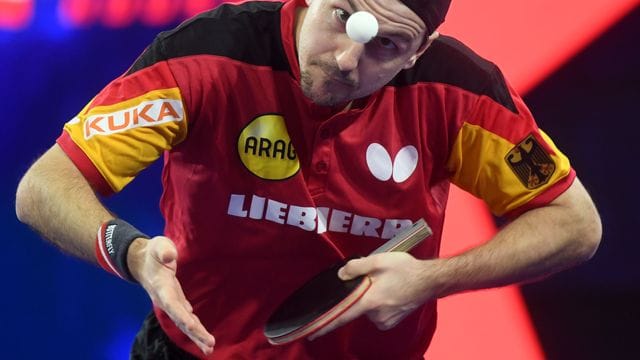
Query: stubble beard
[[322, 96]]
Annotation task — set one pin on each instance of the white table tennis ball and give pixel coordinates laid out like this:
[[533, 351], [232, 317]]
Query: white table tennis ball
[[362, 26]]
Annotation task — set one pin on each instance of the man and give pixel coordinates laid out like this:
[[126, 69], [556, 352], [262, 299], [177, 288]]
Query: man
[[289, 146]]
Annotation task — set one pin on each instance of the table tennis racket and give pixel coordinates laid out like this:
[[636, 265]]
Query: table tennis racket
[[323, 298]]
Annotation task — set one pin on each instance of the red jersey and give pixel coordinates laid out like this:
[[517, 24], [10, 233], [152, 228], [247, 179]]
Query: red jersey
[[263, 189]]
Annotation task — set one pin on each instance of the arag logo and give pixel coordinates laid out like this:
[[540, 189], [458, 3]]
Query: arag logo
[[266, 150]]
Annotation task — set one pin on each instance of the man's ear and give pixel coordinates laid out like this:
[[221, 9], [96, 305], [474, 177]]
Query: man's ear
[[425, 45]]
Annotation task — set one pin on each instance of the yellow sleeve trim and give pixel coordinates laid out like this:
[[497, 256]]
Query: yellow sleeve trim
[[123, 138], [504, 174]]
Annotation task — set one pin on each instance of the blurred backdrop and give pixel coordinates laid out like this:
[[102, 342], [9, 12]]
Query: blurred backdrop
[[577, 64]]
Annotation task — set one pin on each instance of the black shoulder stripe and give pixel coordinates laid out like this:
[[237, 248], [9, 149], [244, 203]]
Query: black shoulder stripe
[[248, 32], [451, 62]]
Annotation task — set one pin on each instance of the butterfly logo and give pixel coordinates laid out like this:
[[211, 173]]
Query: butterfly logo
[[400, 168]]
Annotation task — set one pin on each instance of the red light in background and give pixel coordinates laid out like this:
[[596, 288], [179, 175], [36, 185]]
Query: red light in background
[[160, 12], [119, 13], [530, 39], [16, 14], [78, 13], [124, 13], [486, 324], [193, 7]]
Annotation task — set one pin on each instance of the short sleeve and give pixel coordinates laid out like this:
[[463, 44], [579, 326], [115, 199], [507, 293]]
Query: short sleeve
[[501, 156], [128, 125]]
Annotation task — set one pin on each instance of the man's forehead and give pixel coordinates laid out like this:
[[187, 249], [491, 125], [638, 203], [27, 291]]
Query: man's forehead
[[431, 13], [394, 18], [395, 5]]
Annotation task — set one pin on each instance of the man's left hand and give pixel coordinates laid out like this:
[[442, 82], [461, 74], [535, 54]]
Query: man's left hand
[[400, 283]]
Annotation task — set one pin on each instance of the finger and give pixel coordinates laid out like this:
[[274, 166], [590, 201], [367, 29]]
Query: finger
[[193, 328], [182, 301], [178, 294], [356, 267], [174, 303], [386, 322], [185, 302], [206, 345]]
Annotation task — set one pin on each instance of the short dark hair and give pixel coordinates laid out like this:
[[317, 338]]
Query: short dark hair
[[432, 12]]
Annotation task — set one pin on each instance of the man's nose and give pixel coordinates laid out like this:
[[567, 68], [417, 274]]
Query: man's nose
[[348, 56]]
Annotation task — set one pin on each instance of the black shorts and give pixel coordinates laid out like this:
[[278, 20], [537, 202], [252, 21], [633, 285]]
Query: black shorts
[[151, 343]]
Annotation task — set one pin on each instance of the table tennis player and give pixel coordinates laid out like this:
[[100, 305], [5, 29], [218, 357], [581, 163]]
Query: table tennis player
[[289, 145]]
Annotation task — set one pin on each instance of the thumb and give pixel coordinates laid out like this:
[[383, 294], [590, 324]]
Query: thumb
[[356, 267], [164, 250]]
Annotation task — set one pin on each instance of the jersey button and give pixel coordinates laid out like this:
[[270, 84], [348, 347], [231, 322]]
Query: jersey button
[[321, 167]]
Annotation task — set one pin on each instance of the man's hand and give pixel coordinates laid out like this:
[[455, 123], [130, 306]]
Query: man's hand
[[538, 243], [153, 263], [399, 284]]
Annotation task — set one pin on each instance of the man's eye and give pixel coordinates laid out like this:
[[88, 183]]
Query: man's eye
[[341, 15], [386, 43]]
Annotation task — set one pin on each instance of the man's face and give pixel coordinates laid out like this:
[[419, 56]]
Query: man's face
[[335, 69]]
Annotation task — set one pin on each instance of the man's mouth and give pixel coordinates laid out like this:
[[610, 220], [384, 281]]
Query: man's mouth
[[332, 76]]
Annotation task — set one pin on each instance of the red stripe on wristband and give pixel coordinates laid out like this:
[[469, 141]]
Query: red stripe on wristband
[[102, 254]]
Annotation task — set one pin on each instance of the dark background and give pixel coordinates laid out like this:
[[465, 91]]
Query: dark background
[[56, 306], [590, 107]]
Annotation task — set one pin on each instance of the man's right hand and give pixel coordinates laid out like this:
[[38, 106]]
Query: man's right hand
[[153, 263]]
